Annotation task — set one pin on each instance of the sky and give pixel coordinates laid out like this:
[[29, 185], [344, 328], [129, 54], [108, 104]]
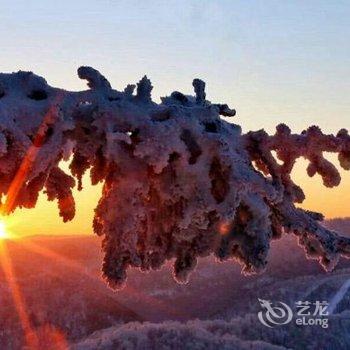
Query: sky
[[273, 61]]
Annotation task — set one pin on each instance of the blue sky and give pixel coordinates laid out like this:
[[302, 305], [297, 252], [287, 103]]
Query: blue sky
[[272, 60]]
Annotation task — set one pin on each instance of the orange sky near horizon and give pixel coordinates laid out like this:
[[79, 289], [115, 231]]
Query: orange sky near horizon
[[44, 218]]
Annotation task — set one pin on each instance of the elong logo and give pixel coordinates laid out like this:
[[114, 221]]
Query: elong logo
[[274, 315], [306, 315]]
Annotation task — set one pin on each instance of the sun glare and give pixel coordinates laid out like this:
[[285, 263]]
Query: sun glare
[[3, 233]]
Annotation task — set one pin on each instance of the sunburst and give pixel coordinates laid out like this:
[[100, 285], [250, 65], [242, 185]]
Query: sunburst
[[4, 234]]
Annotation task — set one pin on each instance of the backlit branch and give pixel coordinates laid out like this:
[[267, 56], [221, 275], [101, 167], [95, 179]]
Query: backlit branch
[[179, 182]]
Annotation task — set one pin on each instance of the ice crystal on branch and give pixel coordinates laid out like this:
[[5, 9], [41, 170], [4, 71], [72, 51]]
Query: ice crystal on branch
[[179, 182]]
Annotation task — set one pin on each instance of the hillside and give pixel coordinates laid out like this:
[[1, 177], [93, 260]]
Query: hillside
[[69, 296]]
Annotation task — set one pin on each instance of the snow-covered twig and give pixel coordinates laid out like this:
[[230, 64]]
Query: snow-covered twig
[[178, 180]]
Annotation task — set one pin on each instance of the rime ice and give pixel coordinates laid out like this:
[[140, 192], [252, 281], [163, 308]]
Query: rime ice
[[174, 174]]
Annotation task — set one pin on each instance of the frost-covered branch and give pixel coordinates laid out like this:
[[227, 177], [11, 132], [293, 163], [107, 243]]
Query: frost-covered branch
[[179, 182]]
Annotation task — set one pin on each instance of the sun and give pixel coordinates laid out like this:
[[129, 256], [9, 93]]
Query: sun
[[3, 233]]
